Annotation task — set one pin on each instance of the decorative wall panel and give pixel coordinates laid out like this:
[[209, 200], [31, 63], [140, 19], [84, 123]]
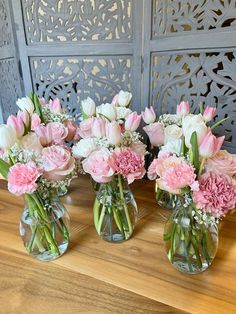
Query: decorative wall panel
[[9, 86], [5, 26], [74, 78], [209, 78], [178, 16], [77, 20]]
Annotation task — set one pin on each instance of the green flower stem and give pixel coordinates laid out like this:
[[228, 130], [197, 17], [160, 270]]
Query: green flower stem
[[195, 245], [201, 166], [96, 213], [118, 221], [102, 215], [124, 203], [186, 242]]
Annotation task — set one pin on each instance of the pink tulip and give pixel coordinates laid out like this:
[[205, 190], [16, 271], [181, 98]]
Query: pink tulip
[[115, 100], [44, 134], [17, 124], [210, 145], [113, 133], [55, 105], [42, 101], [183, 108], [98, 128], [155, 132], [24, 116], [132, 121], [209, 113], [72, 128], [35, 121], [149, 115]]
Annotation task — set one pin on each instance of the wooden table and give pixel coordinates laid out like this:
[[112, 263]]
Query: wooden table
[[98, 277]]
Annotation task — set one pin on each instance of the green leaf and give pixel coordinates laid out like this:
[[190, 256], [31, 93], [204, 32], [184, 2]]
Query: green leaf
[[184, 148], [218, 123], [4, 168], [195, 152], [38, 107]]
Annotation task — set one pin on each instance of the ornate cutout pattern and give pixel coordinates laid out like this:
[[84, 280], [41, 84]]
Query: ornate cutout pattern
[[77, 20], [9, 87], [5, 31], [209, 78], [178, 16], [74, 78]]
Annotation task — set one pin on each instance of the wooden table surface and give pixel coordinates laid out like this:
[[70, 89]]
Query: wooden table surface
[[98, 277]]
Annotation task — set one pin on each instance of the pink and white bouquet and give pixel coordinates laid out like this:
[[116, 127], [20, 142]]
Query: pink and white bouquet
[[112, 152], [36, 161], [192, 166]]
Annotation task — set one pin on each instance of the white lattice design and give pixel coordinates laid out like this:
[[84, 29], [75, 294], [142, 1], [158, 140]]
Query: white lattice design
[[209, 78], [77, 20], [178, 16], [74, 78], [5, 29]]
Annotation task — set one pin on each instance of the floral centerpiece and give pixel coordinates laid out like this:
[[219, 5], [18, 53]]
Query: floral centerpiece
[[36, 162], [192, 167], [112, 152]]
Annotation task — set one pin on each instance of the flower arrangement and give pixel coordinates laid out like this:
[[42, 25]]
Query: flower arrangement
[[191, 166], [111, 151], [36, 161]]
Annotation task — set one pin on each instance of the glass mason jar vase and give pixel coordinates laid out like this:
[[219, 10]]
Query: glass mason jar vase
[[191, 238], [115, 211], [165, 199], [95, 185], [44, 227], [62, 191]]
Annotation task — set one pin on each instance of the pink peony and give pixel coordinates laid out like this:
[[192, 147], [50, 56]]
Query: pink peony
[[98, 165], [85, 128], [223, 162], [57, 162], [216, 195], [128, 163], [22, 178], [58, 131], [155, 132]]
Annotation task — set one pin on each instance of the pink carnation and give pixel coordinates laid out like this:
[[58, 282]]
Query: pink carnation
[[22, 178], [217, 193], [128, 163], [222, 162]]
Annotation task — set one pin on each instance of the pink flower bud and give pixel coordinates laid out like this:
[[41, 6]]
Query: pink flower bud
[[115, 100], [98, 128], [42, 101], [72, 128], [149, 115], [209, 113], [132, 121], [210, 145], [35, 121], [113, 133], [183, 108], [17, 124], [55, 105]]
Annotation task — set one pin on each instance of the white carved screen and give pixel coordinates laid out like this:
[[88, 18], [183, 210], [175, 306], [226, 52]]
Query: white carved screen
[[190, 49], [78, 48]]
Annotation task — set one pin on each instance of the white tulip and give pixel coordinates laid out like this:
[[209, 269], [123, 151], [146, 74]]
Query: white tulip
[[194, 123], [25, 104], [7, 136], [107, 110], [122, 112], [172, 132], [173, 146], [88, 107], [124, 98], [84, 147]]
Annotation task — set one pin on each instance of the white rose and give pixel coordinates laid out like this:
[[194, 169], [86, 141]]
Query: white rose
[[88, 107], [7, 136], [25, 104], [31, 142], [124, 98], [107, 110], [84, 147], [172, 132], [122, 112], [173, 146], [194, 123]]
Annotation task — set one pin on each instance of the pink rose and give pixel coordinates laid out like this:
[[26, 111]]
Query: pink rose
[[22, 178], [222, 163], [72, 129], [31, 142], [55, 105], [128, 163], [58, 131], [155, 132], [44, 134], [17, 124], [98, 165], [132, 122], [35, 121], [113, 133], [85, 128], [216, 195], [57, 163]]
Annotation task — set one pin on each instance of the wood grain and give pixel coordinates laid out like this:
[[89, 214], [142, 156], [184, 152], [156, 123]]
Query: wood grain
[[138, 266]]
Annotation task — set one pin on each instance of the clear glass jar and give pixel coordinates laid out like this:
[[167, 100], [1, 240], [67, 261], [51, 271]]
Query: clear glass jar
[[115, 211], [191, 239], [62, 191], [44, 227], [165, 199]]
